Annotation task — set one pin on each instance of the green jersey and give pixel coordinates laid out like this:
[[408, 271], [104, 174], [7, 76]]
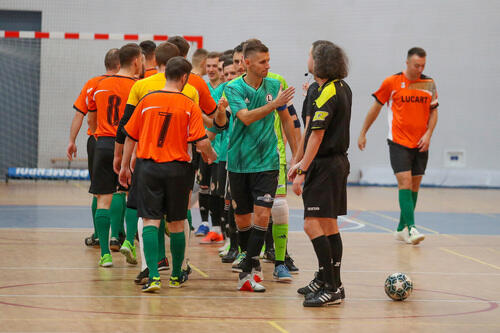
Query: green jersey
[[221, 140], [252, 148], [277, 121]]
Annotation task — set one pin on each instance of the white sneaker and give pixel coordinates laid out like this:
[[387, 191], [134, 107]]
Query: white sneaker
[[402, 235], [415, 236], [247, 283], [257, 274], [224, 248]]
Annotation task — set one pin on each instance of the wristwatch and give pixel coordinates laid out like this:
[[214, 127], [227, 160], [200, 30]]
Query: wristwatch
[[301, 172]]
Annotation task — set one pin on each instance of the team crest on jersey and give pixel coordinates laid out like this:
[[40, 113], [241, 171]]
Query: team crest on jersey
[[247, 100], [403, 85], [320, 116], [269, 98]]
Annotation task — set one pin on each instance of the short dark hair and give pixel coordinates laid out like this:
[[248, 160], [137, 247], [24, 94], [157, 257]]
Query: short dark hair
[[418, 51], [164, 52], [198, 56], [330, 62], [181, 43], [228, 52], [148, 48], [177, 67], [253, 46], [128, 53], [227, 62], [239, 48], [223, 57], [112, 59], [213, 55]]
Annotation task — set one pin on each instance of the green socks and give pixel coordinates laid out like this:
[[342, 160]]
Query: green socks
[[116, 211], [406, 204], [177, 247], [102, 223], [414, 196], [150, 240], [131, 221], [161, 240], [280, 237], [94, 208]]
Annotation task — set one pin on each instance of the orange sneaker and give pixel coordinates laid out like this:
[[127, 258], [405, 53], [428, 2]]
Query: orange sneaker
[[212, 238]]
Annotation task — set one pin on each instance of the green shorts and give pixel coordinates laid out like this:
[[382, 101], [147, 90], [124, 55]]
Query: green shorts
[[282, 181]]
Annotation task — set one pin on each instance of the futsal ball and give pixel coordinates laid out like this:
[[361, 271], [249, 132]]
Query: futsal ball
[[398, 286]]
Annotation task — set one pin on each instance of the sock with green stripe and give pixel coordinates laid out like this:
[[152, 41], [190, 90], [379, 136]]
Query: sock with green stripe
[[131, 221], [161, 240], [414, 197], [94, 208], [116, 213], [177, 247], [280, 236], [102, 222], [150, 239], [407, 208]]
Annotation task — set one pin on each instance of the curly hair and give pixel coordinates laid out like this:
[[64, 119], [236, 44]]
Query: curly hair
[[330, 61]]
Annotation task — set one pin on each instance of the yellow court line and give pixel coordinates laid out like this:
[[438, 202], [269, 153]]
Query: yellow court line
[[376, 226], [470, 258], [489, 215], [493, 250], [278, 327], [202, 273], [79, 185]]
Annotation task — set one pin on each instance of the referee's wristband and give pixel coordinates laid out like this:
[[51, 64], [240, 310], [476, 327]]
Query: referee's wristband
[[281, 108]]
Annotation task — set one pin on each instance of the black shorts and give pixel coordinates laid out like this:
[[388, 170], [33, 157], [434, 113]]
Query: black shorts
[[218, 177], [104, 179], [195, 160], [91, 141], [325, 193], [163, 189], [203, 176], [249, 189], [132, 192], [407, 159]]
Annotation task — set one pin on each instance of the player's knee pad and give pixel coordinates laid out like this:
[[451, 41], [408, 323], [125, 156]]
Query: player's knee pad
[[279, 212]]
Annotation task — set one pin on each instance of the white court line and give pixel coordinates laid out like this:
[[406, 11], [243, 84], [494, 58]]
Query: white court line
[[293, 298]]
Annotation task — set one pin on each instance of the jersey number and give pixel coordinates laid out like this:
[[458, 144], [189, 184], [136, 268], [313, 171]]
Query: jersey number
[[164, 128], [113, 110]]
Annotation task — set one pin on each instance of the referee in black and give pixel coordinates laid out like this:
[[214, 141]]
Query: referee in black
[[323, 170]]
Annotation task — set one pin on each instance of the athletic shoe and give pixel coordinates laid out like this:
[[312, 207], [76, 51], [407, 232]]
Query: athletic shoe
[[314, 294], [153, 285], [121, 237], [247, 283], [292, 269], [324, 297], [106, 260], [142, 277], [128, 250], [202, 230], [230, 256], [402, 235], [163, 264], [176, 282], [224, 248], [212, 238], [342, 292], [281, 274], [91, 241], [269, 255], [114, 245], [186, 272], [236, 266], [257, 274], [313, 286], [415, 236]]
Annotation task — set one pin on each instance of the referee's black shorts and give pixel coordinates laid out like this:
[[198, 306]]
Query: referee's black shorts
[[163, 189], [407, 159], [325, 187]]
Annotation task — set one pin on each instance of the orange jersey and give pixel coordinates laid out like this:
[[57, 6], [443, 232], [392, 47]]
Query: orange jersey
[[207, 103], [164, 123], [150, 71], [82, 101], [409, 104], [109, 100]]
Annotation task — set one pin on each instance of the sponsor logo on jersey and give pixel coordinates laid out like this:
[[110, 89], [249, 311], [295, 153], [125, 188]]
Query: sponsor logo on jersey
[[320, 116], [247, 100], [414, 99], [313, 209]]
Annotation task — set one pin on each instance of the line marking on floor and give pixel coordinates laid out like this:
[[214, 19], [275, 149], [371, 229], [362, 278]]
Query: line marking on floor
[[489, 215], [202, 273], [470, 258], [276, 326], [376, 226]]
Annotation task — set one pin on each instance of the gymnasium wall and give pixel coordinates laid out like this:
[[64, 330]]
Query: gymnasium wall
[[462, 39]]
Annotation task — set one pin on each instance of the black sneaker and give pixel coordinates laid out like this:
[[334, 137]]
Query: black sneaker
[[291, 265], [314, 294], [230, 256], [324, 297], [163, 264], [314, 286], [92, 241], [342, 292], [269, 255], [185, 272], [142, 277], [121, 238], [114, 245]]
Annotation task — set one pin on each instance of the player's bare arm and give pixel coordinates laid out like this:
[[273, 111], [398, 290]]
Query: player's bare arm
[[370, 118], [425, 141], [76, 124]]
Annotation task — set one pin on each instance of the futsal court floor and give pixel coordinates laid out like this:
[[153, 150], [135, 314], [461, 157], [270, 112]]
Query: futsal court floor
[[50, 282]]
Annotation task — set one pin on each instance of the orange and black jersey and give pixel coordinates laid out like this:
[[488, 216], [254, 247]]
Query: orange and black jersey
[[150, 71], [164, 123], [109, 100], [409, 103], [82, 101], [207, 103]]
